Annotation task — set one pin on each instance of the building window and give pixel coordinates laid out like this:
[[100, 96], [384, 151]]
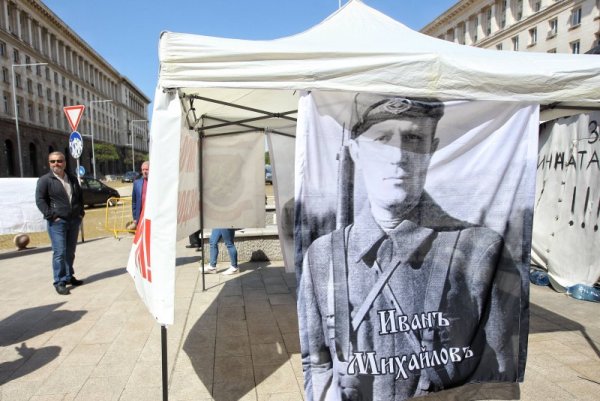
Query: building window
[[29, 85], [553, 27], [38, 70], [461, 31], [48, 73], [515, 43], [28, 61], [575, 47], [518, 10], [56, 78], [40, 90], [532, 36], [16, 56], [488, 22], [576, 17], [6, 103], [536, 5], [2, 49], [30, 111], [499, 46], [551, 51], [503, 7], [18, 80], [9, 156], [5, 75], [41, 114], [49, 94], [33, 159]]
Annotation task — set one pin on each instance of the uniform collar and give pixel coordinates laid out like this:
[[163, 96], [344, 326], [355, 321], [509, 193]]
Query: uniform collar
[[366, 235]]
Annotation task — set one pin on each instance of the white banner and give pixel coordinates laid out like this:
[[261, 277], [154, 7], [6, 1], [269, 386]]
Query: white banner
[[188, 204], [234, 181], [282, 150], [414, 218], [18, 212], [567, 210], [152, 257]]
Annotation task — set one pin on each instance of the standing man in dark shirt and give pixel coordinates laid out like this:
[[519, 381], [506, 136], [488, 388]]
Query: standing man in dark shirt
[[59, 198], [138, 196]]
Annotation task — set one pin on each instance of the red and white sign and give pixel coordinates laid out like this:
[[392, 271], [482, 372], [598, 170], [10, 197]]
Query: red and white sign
[[74, 114]]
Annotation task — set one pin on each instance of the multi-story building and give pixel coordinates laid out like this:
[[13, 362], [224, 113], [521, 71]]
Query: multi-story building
[[553, 26], [47, 66]]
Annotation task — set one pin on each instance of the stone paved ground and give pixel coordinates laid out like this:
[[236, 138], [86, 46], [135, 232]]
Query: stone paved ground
[[235, 341]]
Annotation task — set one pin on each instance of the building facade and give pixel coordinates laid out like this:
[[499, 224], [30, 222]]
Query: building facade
[[47, 66], [552, 26]]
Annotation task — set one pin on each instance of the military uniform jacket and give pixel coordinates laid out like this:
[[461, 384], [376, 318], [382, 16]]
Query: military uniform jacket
[[388, 317]]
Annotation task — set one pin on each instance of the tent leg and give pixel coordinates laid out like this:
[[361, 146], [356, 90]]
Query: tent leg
[[165, 374]]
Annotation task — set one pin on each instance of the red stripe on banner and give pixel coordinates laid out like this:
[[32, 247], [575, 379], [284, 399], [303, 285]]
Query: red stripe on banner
[[147, 231]]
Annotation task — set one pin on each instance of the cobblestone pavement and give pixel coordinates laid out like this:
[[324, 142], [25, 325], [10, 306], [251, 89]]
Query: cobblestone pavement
[[235, 341]]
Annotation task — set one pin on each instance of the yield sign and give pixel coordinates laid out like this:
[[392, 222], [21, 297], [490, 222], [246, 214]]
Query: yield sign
[[74, 114]]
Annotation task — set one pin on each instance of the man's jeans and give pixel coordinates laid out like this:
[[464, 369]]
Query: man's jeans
[[227, 234], [63, 236]]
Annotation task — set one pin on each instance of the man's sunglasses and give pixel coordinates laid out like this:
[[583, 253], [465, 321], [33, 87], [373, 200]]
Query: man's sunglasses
[[56, 161]]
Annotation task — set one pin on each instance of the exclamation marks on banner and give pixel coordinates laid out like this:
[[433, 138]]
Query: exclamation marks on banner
[[586, 205], [597, 216], [573, 205]]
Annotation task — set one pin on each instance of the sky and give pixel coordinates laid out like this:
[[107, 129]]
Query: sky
[[126, 32]]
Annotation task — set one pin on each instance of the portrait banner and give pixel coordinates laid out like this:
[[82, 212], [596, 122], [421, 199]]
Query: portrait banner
[[413, 228]]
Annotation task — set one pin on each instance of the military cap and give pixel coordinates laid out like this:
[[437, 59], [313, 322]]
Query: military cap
[[395, 108]]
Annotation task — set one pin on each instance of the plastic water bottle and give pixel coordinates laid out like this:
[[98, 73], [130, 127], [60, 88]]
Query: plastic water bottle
[[584, 292], [539, 277]]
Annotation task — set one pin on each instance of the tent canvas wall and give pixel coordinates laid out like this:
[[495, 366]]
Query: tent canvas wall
[[234, 85]]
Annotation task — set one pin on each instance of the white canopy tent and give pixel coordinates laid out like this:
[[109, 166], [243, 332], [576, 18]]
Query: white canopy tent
[[229, 85]]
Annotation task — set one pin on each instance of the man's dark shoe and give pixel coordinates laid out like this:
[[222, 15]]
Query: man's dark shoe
[[192, 246], [61, 289], [74, 281]]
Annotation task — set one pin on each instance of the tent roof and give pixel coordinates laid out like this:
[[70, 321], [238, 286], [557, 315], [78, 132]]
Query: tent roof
[[359, 49]]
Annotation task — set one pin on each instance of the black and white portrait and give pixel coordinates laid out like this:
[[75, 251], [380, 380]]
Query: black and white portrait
[[411, 268]]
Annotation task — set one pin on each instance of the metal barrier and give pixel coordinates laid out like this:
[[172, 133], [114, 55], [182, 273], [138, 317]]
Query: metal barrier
[[118, 219]]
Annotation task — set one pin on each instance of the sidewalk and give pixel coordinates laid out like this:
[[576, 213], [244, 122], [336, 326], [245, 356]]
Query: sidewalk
[[236, 341]]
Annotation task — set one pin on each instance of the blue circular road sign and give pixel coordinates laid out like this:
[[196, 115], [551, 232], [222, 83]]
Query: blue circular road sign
[[81, 171], [75, 144]]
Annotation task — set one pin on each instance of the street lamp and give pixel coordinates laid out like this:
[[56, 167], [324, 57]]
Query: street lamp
[[132, 140], [92, 113], [14, 88]]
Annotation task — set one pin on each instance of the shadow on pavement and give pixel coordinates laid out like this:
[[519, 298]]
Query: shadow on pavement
[[18, 327], [105, 274], [545, 321], [184, 260], [245, 334], [30, 360]]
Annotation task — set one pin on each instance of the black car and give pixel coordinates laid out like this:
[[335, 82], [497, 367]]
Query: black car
[[130, 176], [268, 174], [95, 192]]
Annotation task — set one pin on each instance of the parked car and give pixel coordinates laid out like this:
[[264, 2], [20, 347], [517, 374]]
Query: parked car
[[268, 174], [130, 176], [95, 192]]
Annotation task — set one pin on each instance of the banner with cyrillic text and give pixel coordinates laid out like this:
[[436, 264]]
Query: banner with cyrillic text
[[413, 218], [567, 208]]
